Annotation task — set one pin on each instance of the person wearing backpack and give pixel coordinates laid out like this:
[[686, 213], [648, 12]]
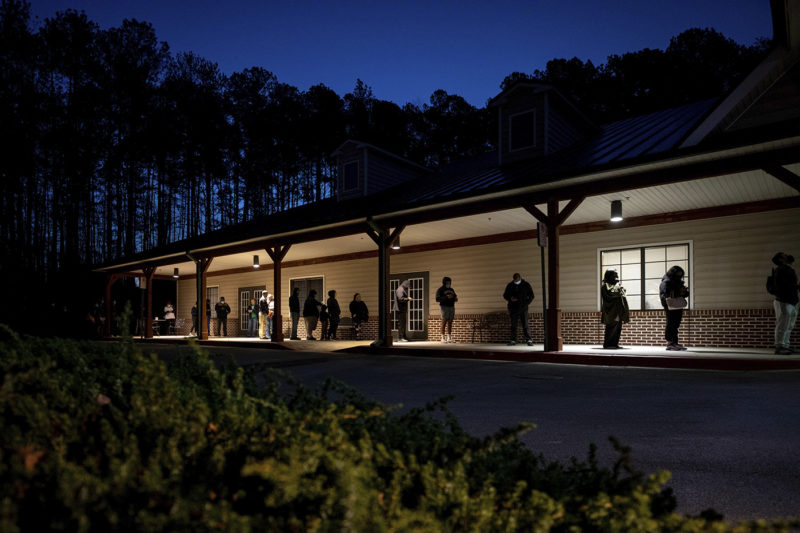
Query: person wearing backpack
[[785, 287]]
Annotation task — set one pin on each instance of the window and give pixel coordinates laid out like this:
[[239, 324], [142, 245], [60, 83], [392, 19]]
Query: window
[[351, 176], [306, 285], [417, 319], [522, 130], [641, 268]]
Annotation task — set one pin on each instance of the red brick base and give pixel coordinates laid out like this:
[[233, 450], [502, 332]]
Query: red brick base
[[723, 328]]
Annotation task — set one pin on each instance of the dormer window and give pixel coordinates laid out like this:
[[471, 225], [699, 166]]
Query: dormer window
[[522, 130], [351, 176]]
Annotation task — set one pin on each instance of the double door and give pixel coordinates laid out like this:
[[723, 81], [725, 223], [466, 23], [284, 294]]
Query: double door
[[417, 317]]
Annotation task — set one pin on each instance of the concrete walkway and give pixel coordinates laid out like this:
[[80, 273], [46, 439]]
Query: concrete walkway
[[701, 358]]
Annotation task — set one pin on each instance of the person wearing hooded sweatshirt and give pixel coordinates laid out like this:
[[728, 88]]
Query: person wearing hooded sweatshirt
[[334, 311], [311, 309], [672, 286], [786, 301], [519, 295], [447, 299], [222, 309], [614, 309], [400, 306], [294, 311], [359, 313]]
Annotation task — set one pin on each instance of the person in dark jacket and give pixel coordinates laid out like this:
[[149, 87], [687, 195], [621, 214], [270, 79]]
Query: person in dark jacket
[[194, 320], [335, 314], [208, 316], [294, 311], [786, 301], [252, 318], [519, 295], [311, 309], [672, 286], [400, 306], [447, 299], [323, 320], [222, 309], [359, 314], [614, 309]]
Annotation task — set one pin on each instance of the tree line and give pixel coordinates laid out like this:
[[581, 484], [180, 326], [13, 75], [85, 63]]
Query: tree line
[[112, 144]]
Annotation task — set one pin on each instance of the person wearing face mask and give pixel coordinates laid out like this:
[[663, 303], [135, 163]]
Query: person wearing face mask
[[447, 299], [519, 295], [673, 287], [614, 309]]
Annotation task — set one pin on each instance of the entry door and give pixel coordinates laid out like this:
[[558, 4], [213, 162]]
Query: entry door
[[417, 321], [245, 293]]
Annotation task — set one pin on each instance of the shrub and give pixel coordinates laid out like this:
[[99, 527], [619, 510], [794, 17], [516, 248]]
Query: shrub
[[101, 437]]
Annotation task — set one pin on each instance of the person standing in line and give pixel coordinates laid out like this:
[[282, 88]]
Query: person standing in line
[[263, 313], [335, 313], [252, 318], [447, 299], [400, 306], [614, 309], [270, 313], [208, 316], [294, 311], [311, 309], [359, 314], [672, 286], [786, 301], [194, 320], [519, 295], [222, 309], [169, 316], [323, 319]]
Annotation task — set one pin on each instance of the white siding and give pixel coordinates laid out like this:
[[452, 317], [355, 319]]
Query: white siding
[[730, 264]]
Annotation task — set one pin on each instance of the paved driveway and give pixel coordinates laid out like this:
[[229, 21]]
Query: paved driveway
[[730, 439]]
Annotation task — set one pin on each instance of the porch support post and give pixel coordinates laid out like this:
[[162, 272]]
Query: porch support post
[[110, 280], [148, 323], [277, 253], [384, 240], [201, 268], [554, 341]]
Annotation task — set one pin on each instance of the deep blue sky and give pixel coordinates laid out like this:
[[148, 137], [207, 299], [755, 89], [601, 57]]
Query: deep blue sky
[[405, 50]]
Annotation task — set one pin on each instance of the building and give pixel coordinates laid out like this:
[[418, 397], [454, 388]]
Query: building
[[713, 186]]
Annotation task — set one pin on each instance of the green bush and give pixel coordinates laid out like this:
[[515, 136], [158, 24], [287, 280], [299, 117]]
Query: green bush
[[100, 437]]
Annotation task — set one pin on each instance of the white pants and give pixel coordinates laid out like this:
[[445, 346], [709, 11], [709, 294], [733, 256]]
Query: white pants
[[785, 317]]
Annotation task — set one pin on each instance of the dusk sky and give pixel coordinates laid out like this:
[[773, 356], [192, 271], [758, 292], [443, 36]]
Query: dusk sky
[[405, 50]]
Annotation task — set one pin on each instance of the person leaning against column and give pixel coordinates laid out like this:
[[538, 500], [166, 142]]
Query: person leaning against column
[[786, 301]]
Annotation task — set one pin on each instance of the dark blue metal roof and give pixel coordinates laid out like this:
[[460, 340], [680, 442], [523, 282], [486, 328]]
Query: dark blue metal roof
[[629, 139]]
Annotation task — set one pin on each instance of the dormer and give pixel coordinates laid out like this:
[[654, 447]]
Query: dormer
[[535, 120], [365, 169]]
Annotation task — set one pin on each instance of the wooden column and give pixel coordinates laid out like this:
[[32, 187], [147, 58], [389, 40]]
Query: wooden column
[[201, 268], [110, 280], [554, 341], [148, 324], [384, 240], [277, 253]]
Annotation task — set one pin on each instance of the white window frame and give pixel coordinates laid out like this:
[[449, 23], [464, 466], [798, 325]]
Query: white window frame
[[689, 271], [320, 297], [510, 130], [213, 313]]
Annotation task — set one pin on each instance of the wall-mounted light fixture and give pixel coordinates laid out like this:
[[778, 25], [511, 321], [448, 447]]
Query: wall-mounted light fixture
[[175, 273], [396, 243], [255, 262], [616, 210]]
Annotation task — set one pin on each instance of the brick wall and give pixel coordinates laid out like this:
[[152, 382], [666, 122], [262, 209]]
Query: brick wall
[[725, 328]]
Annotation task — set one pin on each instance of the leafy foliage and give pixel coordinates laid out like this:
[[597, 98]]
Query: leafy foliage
[[100, 437]]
